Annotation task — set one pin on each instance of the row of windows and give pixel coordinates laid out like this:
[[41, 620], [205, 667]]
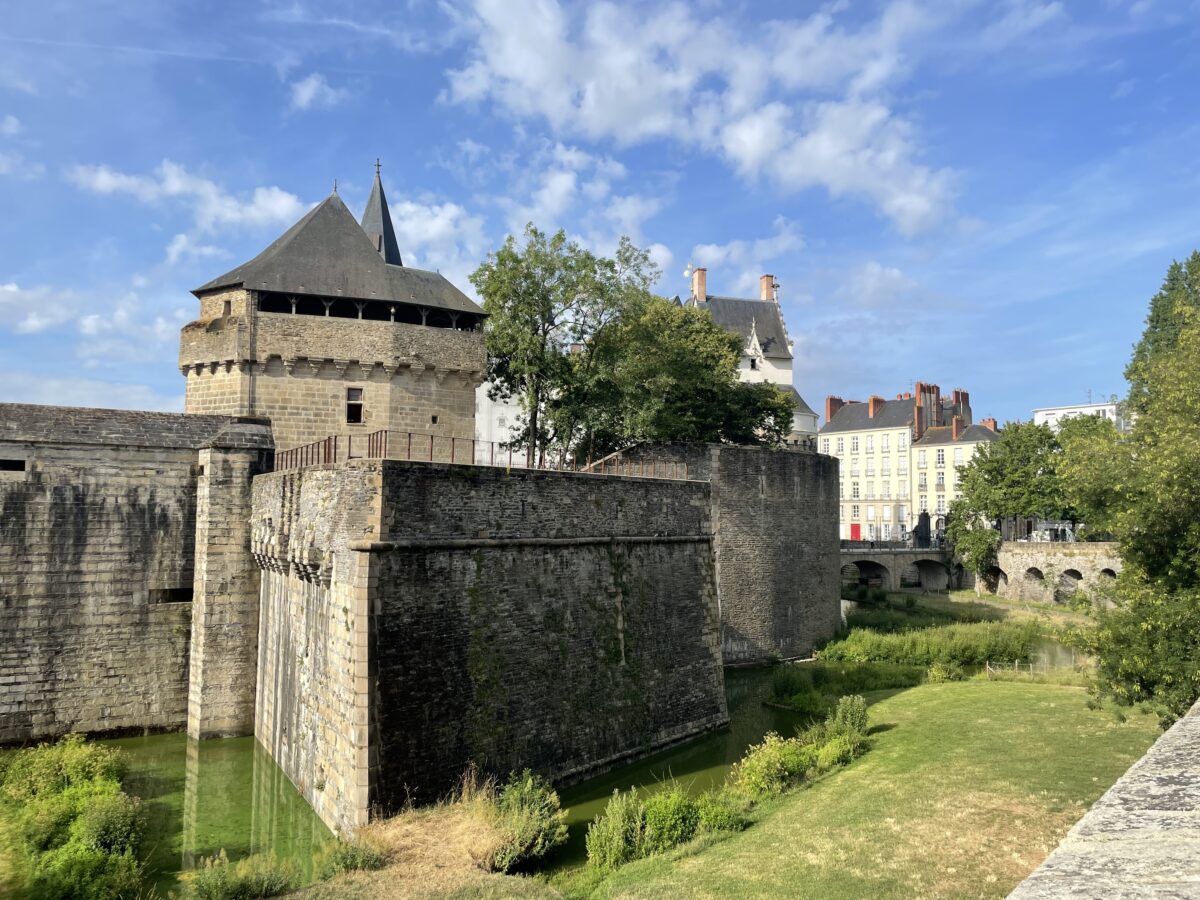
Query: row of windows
[[868, 493], [885, 467], [885, 513], [356, 408], [868, 441]]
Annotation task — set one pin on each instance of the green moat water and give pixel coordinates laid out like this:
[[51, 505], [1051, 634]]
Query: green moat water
[[204, 797]]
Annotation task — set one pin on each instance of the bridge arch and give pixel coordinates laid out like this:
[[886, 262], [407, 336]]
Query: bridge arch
[[931, 575], [1033, 573], [868, 572], [1070, 582], [1108, 573], [995, 580]]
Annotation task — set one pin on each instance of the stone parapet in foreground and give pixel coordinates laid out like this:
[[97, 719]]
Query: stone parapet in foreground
[[1142, 838]]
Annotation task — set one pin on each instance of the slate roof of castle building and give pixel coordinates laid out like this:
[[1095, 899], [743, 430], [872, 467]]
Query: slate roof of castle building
[[856, 416], [942, 434], [36, 424], [327, 253], [736, 314], [377, 223], [798, 402]]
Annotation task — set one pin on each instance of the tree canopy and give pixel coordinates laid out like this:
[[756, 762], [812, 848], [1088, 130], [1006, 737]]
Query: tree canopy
[[598, 362]]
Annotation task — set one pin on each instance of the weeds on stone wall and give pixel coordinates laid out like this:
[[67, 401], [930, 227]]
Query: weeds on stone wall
[[631, 828], [78, 831]]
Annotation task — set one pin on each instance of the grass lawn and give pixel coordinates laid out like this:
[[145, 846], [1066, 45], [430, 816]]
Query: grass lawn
[[967, 787]]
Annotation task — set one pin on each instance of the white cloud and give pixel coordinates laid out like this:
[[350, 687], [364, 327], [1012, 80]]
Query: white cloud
[[1021, 19], [750, 255], [875, 285], [22, 387], [10, 125], [439, 236], [315, 92], [211, 205], [17, 166], [1124, 89], [129, 330], [799, 102], [30, 310], [182, 246], [554, 179]]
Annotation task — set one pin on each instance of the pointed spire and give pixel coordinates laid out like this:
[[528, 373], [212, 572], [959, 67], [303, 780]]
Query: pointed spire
[[377, 223]]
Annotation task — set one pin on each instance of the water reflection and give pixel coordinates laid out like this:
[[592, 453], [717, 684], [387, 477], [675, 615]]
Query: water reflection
[[202, 797]]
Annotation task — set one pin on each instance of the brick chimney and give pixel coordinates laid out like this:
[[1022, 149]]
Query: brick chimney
[[989, 423], [766, 288], [874, 404], [918, 420], [832, 405], [699, 284], [956, 427]]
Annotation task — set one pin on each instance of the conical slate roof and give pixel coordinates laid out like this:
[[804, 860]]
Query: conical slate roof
[[377, 223], [328, 254]]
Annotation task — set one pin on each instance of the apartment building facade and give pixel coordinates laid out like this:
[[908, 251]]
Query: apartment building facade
[[899, 458]]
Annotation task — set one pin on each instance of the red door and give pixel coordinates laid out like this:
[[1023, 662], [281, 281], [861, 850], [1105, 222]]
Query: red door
[[855, 532]]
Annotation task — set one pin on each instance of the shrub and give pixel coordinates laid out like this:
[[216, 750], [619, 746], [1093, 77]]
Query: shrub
[[836, 751], [113, 824], [615, 838], [530, 820], [349, 856], [671, 818], [720, 811], [45, 823], [248, 879], [941, 672], [860, 593], [909, 601], [813, 688], [53, 768], [76, 872], [849, 720], [878, 595], [771, 767]]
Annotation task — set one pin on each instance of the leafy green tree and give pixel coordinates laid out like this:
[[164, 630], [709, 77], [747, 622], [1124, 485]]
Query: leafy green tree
[[1180, 292], [599, 362], [1016, 475], [1092, 468], [542, 298], [972, 539]]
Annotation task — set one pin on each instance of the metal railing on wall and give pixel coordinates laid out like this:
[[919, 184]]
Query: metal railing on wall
[[423, 447]]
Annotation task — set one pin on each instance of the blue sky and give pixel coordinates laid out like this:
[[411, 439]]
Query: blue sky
[[978, 194]]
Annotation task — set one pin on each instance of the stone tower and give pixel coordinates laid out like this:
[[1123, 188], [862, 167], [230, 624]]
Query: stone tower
[[326, 332]]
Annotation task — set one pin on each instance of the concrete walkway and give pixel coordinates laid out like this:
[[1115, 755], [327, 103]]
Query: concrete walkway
[[1142, 838]]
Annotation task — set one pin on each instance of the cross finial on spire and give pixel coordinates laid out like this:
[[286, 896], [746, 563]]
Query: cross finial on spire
[[377, 167], [335, 185]]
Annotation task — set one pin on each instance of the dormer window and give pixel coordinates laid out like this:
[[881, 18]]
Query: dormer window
[[753, 363]]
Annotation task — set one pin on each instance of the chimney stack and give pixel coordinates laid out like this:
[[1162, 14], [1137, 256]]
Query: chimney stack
[[699, 285], [989, 423], [956, 427], [874, 404], [832, 405], [766, 288]]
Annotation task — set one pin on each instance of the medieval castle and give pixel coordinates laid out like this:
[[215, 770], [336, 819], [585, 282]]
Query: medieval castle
[[278, 561]]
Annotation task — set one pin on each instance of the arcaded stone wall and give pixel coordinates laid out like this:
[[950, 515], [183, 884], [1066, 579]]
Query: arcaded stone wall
[[97, 540], [417, 617], [1042, 571], [295, 369], [775, 527]]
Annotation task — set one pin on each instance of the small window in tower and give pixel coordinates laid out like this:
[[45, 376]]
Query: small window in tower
[[753, 363], [228, 311], [354, 406], [433, 420]]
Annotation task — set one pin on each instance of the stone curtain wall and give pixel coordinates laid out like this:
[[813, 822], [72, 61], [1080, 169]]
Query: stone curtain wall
[[572, 622], [296, 369], [1053, 559], [314, 691], [416, 617], [775, 521], [97, 560]]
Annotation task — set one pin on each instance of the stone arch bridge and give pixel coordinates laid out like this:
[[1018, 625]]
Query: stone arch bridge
[[895, 569]]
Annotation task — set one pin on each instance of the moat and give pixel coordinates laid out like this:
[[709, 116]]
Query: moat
[[228, 794]]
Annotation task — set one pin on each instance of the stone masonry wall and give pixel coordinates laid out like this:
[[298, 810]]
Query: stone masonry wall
[[296, 369], [1097, 563], [419, 616], [776, 542], [97, 539]]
